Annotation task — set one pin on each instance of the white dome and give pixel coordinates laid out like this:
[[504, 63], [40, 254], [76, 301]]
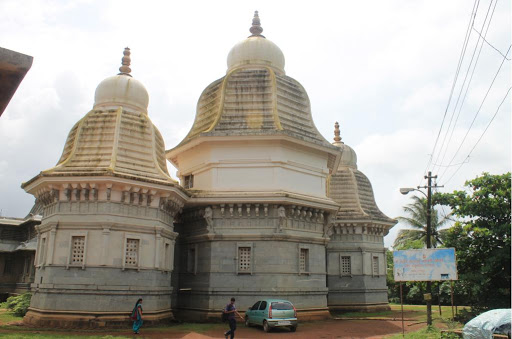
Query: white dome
[[348, 156], [122, 90], [256, 50]]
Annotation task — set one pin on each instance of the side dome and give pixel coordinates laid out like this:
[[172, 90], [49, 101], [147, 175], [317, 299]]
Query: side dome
[[256, 50], [122, 89], [352, 189], [116, 137], [348, 155]]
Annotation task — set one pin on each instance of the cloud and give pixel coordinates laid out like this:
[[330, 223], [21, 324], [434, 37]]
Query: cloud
[[382, 69]]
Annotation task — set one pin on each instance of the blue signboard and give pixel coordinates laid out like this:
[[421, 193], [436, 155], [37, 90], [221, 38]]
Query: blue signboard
[[433, 264]]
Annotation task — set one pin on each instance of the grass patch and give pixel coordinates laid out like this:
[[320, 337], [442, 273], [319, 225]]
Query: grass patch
[[7, 316], [425, 333]]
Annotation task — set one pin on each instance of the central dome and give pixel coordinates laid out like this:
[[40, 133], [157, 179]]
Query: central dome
[[255, 98], [256, 50]]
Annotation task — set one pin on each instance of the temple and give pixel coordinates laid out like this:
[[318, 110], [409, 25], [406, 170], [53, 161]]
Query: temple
[[265, 206]]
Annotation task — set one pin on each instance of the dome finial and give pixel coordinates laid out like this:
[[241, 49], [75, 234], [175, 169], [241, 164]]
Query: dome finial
[[125, 69], [337, 137], [256, 26]]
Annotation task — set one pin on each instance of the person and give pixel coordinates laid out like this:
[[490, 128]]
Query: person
[[137, 316], [231, 310]]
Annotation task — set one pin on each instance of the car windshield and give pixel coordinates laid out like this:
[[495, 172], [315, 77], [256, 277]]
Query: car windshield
[[282, 306]]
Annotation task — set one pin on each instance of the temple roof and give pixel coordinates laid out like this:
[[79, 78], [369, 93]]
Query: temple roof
[[116, 137], [255, 97], [352, 189]]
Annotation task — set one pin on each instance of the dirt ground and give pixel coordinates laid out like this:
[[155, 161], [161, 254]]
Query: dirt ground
[[326, 329]]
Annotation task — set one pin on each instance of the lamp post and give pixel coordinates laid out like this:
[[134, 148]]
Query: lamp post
[[429, 186]]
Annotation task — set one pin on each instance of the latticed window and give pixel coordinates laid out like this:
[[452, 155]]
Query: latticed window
[[244, 259], [345, 266], [77, 250], [375, 265], [132, 252], [303, 259], [189, 181]]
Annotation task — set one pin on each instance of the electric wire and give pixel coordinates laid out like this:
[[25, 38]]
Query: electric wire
[[459, 64], [497, 50], [478, 111], [481, 136], [467, 87]]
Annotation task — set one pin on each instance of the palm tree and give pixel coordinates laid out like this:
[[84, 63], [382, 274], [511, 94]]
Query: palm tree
[[416, 237]]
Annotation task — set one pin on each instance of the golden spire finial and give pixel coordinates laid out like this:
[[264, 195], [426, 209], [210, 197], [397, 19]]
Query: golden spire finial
[[125, 69], [256, 28], [337, 137]]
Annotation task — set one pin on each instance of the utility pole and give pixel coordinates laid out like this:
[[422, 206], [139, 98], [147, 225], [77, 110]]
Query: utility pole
[[429, 186], [429, 177]]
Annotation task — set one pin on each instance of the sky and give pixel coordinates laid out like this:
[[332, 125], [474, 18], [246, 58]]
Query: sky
[[383, 69]]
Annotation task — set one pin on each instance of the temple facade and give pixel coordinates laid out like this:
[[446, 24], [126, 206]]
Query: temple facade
[[265, 206]]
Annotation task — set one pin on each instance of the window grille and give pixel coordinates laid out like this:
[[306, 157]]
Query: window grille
[[244, 259], [78, 249], [189, 181], [375, 265], [345, 266], [132, 252], [303, 260]]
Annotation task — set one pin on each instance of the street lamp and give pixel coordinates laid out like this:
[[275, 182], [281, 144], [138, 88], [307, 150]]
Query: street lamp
[[429, 186]]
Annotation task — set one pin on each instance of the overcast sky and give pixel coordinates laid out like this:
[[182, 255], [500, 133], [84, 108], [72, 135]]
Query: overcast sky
[[383, 69]]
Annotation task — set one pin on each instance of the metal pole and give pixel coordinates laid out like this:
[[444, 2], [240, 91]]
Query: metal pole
[[439, 301], [429, 242], [451, 290], [402, 305]]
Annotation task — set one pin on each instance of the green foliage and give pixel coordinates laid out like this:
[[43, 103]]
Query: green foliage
[[481, 238], [19, 304], [416, 236]]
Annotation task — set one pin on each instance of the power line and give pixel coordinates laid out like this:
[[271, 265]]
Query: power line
[[478, 111], [497, 50], [469, 83], [461, 57], [481, 136]]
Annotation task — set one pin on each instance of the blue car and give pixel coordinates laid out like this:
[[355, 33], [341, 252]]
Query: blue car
[[271, 313]]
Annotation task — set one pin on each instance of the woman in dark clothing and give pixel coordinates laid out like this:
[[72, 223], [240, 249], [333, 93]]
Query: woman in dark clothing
[[137, 316]]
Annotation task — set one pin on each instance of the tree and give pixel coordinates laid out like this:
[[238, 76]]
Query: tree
[[481, 238], [416, 237]]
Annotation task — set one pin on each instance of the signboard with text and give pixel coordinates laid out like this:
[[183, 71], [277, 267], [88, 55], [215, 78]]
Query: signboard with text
[[433, 264]]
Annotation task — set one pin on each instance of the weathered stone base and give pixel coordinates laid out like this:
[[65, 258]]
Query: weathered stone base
[[81, 319], [204, 315], [377, 307]]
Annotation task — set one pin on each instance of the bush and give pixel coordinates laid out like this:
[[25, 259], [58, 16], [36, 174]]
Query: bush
[[19, 304]]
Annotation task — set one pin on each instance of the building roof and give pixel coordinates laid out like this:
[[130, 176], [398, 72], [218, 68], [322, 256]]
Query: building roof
[[352, 189], [255, 97], [13, 68], [116, 137]]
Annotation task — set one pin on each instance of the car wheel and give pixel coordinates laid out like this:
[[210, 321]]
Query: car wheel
[[293, 328], [266, 328], [247, 323]]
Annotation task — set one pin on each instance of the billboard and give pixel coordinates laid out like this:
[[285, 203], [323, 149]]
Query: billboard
[[432, 264]]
